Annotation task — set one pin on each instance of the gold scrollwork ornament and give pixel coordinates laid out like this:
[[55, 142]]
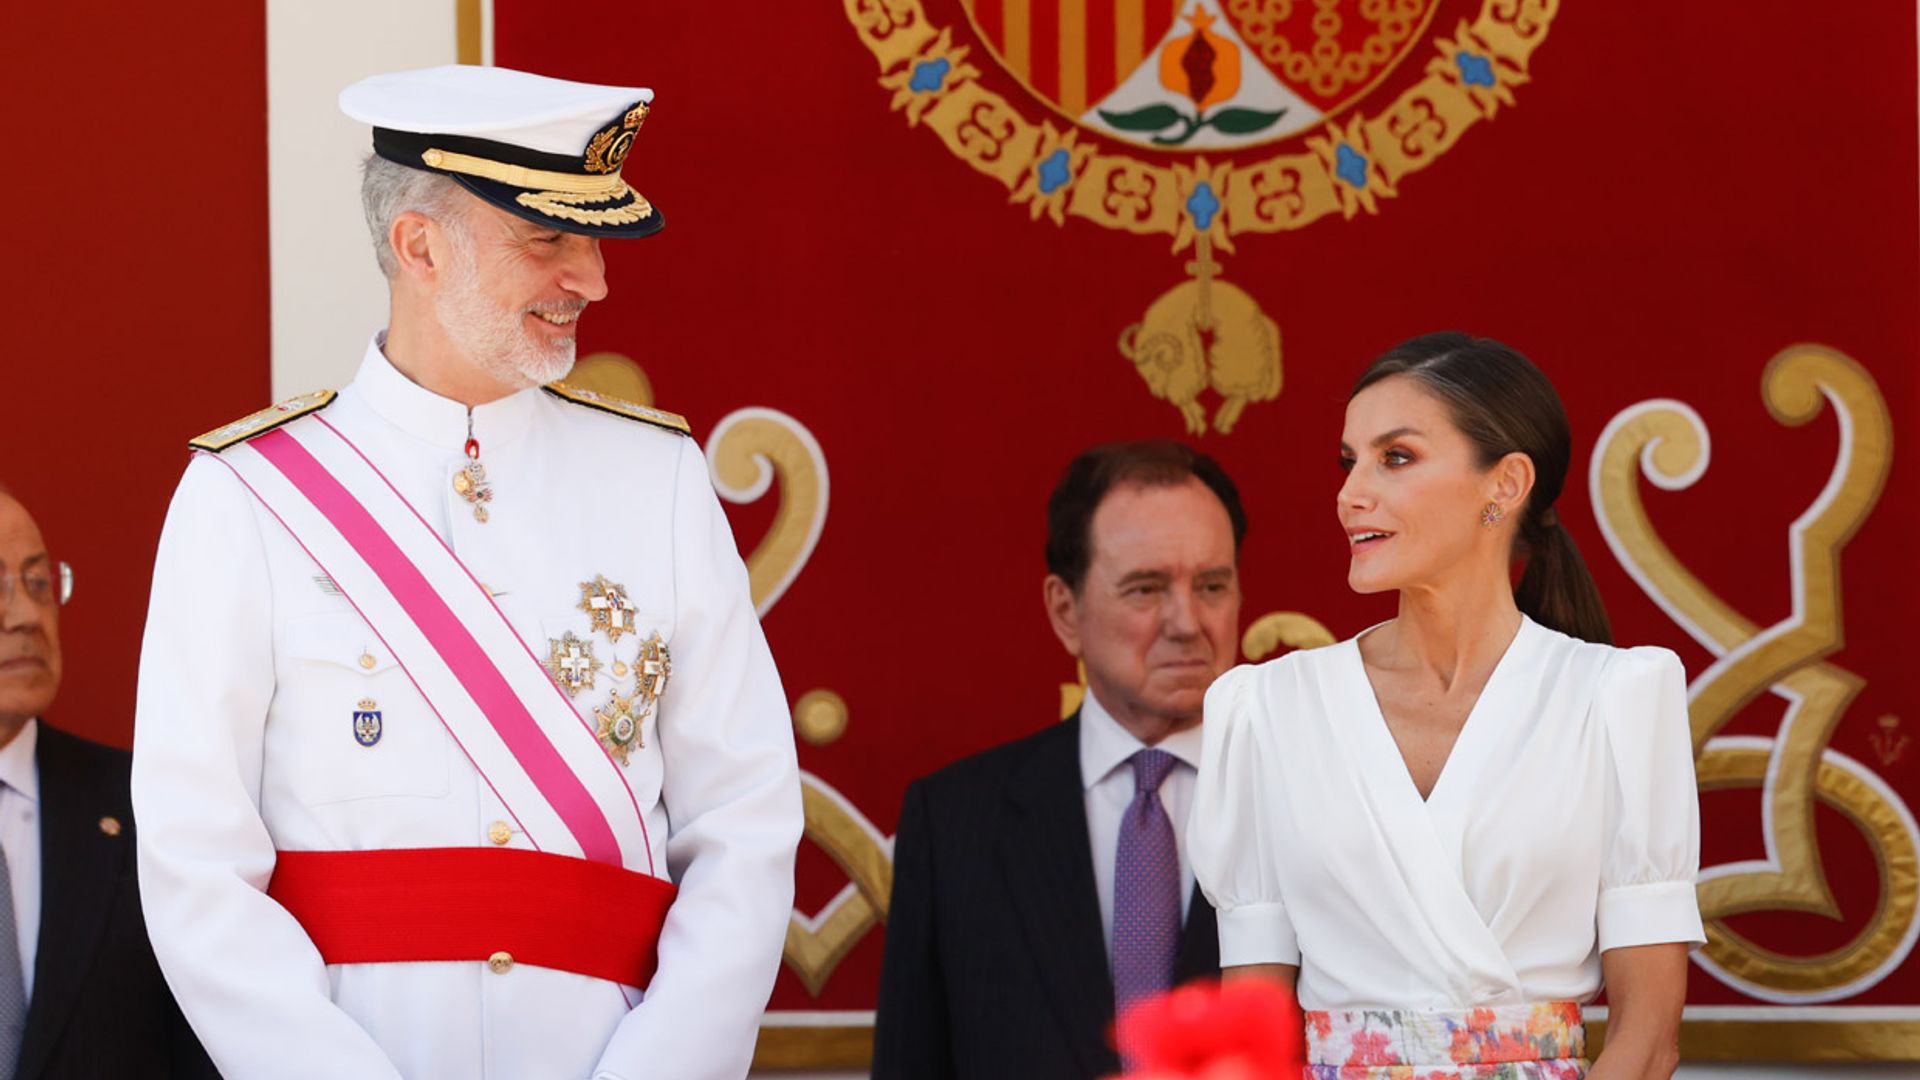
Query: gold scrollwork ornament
[[1667, 442]]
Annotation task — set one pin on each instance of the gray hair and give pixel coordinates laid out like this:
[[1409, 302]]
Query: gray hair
[[389, 189]]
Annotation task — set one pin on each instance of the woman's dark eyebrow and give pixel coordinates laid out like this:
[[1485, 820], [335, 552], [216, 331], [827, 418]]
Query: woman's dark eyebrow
[[1382, 440]]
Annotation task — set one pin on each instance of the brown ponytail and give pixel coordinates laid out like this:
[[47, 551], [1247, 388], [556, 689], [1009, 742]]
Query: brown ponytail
[[1504, 405], [1555, 588]]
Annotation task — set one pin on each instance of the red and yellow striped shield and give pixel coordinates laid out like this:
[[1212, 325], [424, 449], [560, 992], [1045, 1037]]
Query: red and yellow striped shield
[[1072, 53]]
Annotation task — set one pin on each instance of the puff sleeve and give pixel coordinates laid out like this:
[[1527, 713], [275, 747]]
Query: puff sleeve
[[1233, 860], [1652, 825]]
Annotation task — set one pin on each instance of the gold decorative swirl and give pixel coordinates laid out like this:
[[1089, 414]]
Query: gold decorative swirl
[[1845, 786], [1668, 442], [1293, 629], [614, 375], [815, 946], [747, 450]]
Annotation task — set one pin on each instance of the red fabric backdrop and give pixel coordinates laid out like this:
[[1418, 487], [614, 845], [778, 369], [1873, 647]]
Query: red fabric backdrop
[[136, 260], [1680, 192]]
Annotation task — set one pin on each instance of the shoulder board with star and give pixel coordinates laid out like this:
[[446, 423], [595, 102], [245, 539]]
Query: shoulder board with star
[[265, 420], [632, 410]]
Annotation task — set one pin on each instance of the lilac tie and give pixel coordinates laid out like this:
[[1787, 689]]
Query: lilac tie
[[1146, 891]]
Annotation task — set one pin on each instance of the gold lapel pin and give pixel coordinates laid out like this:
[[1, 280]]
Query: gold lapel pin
[[110, 825]]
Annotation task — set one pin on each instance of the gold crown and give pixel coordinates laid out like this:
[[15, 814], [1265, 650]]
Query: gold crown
[[367, 704]]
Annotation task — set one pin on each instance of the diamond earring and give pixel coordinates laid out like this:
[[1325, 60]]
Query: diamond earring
[[1491, 515]]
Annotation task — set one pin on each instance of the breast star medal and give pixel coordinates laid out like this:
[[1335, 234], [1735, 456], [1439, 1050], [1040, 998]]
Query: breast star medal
[[608, 605], [619, 729], [366, 722], [570, 661], [652, 668]]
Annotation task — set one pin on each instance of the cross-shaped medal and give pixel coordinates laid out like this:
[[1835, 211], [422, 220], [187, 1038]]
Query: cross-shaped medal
[[570, 661], [607, 603]]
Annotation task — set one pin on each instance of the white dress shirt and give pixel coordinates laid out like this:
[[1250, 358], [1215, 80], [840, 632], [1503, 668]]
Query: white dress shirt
[[245, 744], [1564, 823], [1105, 748], [20, 836]]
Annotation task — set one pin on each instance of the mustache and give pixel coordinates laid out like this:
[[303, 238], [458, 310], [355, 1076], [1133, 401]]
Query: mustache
[[558, 307]]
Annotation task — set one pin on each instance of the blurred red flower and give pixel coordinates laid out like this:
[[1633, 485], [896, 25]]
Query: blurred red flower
[[1240, 1029]]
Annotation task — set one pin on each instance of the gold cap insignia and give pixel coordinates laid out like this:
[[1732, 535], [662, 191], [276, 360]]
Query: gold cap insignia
[[609, 147]]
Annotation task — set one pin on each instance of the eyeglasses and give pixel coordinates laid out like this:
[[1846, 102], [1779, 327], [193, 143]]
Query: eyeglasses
[[42, 583]]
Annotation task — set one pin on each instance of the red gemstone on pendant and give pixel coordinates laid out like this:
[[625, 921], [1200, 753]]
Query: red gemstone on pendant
[[473, 449]]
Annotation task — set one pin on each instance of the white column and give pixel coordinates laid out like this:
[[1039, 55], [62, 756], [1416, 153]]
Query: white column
[[328, 296]]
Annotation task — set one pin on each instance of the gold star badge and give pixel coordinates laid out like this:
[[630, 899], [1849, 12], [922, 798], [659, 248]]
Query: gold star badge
[[607, 603], [619, 731], [570, 661]]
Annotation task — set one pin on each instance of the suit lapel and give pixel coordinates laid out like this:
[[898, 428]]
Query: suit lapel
[[80, 871], [1049, 864]]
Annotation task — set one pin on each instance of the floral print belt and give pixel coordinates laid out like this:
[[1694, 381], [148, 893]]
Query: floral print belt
[[1541, 1041]]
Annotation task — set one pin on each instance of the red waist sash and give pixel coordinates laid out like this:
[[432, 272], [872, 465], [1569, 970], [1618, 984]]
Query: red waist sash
[[414, 904]]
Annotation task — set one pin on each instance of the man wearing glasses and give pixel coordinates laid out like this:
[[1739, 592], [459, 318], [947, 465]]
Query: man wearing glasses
[[80, 994]]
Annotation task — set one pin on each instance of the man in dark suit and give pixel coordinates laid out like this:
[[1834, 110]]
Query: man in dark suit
[[81, 997], [1041, 882]]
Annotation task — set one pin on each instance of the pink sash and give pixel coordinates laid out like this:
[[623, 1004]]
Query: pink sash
[[493, 696]]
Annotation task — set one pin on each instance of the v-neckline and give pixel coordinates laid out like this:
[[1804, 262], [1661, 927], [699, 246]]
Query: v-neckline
[[1465, 739]]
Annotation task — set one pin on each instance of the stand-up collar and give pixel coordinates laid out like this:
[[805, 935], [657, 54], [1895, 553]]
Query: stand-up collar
[[434, 419]]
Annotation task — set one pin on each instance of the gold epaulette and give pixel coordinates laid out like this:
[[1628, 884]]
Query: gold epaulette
[[620, 407], [263, 421]]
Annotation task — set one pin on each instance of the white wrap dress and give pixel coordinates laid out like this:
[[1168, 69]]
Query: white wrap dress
[[1564, 823]]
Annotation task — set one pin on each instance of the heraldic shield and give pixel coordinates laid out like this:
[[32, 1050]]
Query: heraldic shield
[[1160, 73], [1203, 120]]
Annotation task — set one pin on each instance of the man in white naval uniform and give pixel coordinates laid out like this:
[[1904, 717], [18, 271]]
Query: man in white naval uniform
[[325, 820]]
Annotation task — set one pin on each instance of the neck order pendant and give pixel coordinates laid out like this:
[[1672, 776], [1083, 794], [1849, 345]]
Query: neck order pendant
[[470, 483]]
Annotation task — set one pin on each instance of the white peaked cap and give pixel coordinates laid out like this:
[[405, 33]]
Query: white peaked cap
[[552, 116], [546, 150]]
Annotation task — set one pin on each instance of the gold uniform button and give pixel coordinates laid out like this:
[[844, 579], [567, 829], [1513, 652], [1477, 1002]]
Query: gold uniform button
[[500, 963], [500, 832], [367, 661]]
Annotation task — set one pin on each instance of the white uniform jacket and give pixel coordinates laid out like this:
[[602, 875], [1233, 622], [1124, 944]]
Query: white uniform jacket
[[254, 666]]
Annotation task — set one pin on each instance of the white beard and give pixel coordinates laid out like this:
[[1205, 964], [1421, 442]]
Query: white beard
[[494, 337]]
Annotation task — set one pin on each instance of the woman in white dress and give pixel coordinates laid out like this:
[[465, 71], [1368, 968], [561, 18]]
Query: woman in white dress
[[1448, 832]]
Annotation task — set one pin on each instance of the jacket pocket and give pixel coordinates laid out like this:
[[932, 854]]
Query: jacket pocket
[[347, 722]]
